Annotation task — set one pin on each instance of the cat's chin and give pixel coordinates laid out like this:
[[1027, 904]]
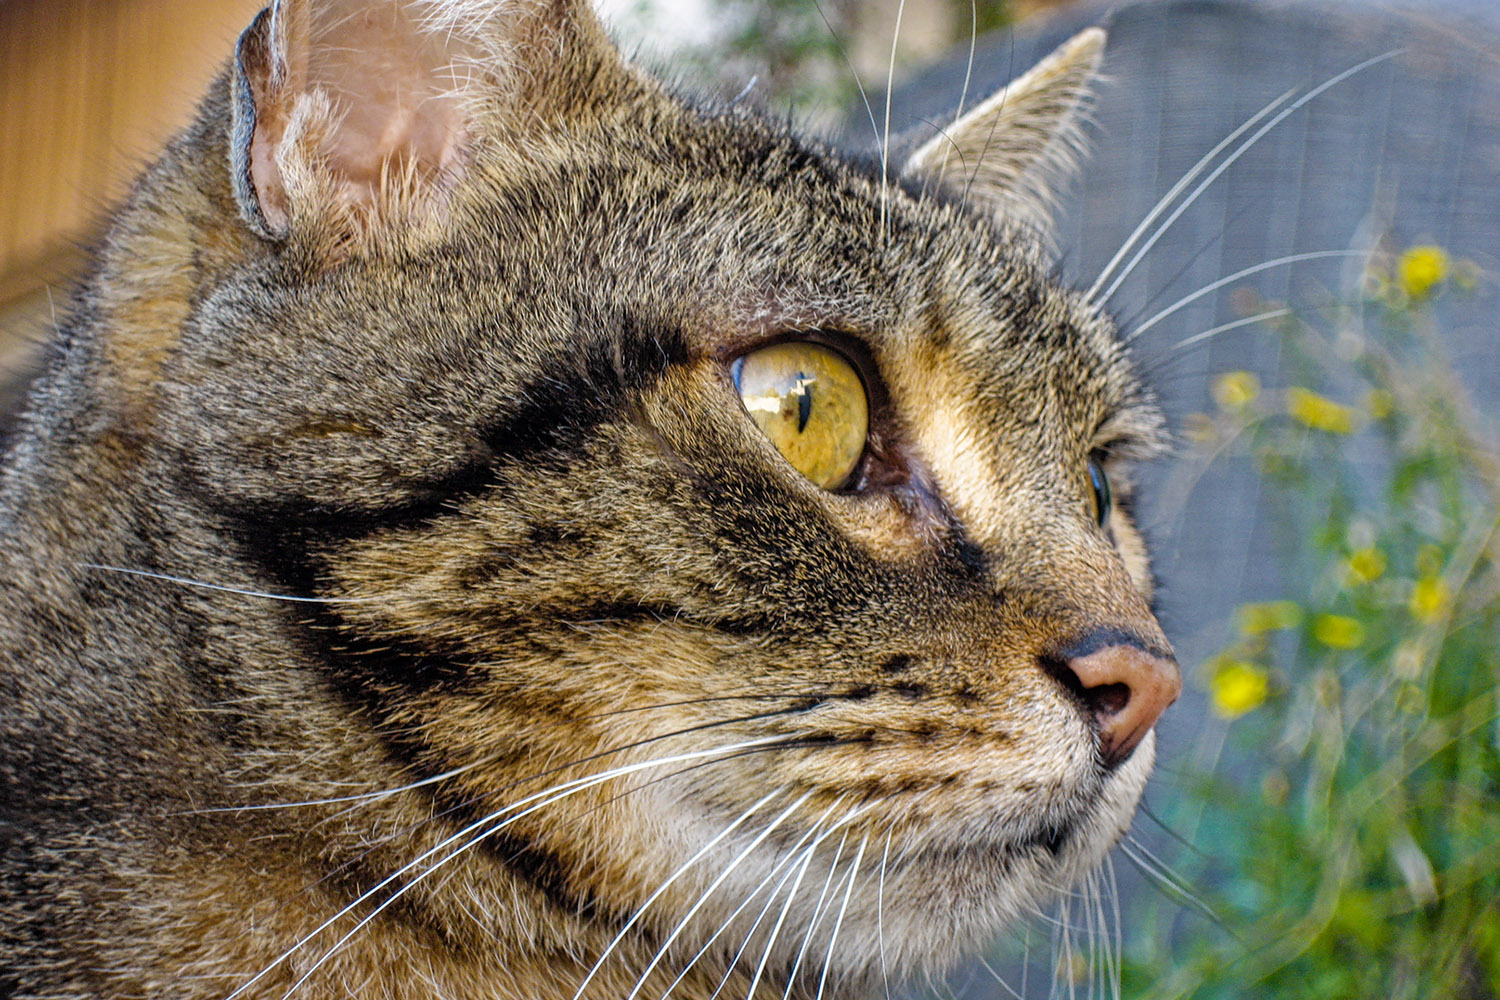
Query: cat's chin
[[945, 902]]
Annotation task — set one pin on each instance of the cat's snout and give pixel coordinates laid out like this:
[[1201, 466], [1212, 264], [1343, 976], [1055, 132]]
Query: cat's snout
[[1124, 685]]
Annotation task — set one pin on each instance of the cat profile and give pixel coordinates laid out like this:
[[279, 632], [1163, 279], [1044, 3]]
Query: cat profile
[[494, 527]]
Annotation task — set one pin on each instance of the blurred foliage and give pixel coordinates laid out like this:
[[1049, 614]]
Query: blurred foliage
[[808, 54], [1344, 811], [795, 50]]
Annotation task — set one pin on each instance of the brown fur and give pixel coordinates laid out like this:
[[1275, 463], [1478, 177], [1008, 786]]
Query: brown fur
[[467, 385]]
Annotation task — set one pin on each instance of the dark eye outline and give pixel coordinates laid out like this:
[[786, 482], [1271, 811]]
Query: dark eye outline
[[1104, 501]]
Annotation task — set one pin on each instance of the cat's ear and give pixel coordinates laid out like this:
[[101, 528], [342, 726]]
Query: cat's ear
[[363, 106], [1015, 151]]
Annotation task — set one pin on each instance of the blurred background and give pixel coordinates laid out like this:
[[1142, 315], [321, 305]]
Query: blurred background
[[1313, 294]]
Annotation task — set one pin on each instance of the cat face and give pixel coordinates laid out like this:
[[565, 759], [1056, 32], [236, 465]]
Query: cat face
[[471, 364]]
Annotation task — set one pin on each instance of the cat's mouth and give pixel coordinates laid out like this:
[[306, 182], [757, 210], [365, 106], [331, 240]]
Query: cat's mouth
[[950, 797]]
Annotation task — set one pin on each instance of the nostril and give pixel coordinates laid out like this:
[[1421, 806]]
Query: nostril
[[1122, 687], [1107, 699]]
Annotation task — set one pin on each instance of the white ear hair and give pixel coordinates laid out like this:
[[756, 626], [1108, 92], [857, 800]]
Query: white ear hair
[[1015, 151]]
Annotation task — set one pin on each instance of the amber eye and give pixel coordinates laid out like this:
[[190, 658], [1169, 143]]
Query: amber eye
[[810, 402], [1103, 500]]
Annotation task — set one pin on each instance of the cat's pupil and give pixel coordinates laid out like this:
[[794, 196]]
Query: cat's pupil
[[1103, 498], [803, 391]]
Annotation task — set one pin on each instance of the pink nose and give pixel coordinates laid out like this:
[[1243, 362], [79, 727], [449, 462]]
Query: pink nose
[[1125, 689]]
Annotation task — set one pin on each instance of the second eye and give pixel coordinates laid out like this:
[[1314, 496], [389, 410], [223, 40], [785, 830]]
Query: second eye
[[1103, 495], [810, 402]]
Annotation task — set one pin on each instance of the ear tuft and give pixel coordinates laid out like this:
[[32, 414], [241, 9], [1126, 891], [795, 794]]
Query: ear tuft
[[1016, 150]]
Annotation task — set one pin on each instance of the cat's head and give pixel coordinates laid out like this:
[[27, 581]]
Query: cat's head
[[644, 435]]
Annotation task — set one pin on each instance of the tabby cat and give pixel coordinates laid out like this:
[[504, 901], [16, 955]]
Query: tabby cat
[[492, 527]]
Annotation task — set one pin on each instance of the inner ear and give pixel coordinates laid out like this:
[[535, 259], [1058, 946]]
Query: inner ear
[[357, 108], [356, 102], [393, 91]]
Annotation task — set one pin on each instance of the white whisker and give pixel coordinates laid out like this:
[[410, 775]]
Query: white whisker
[[1226, 327], [791, 895], [368, 797], [843, 908], [818, 911], [242, 591], [719, 932], [789, 860], [566, 790], [853, 73], [734, 962], [1089, 940], [1101, 945], [697, 856], [995, 120], [885, 145], [703, 897], [1007, 987], [963, 94], [558, 791], [745, 91], [1119, 927], [1026, 960], [1192, 297], [1172, 193], [885, 856], [385, 793], [725, 924], [1066, 948], [1229, 161], [1162, 874], [1101, 955]]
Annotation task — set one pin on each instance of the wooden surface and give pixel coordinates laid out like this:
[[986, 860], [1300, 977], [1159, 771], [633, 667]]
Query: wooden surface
[[88, 90]]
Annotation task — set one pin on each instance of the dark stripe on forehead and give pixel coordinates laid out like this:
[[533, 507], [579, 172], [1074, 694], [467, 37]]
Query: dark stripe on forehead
[[545, 426], [586, 385]]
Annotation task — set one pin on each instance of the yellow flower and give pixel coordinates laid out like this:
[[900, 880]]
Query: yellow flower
[[1270, 616], [1430, 599], [1236, 390], [1366, 565], [1339, 631], [1422, 269], [1238, 687], [1319, 412]]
